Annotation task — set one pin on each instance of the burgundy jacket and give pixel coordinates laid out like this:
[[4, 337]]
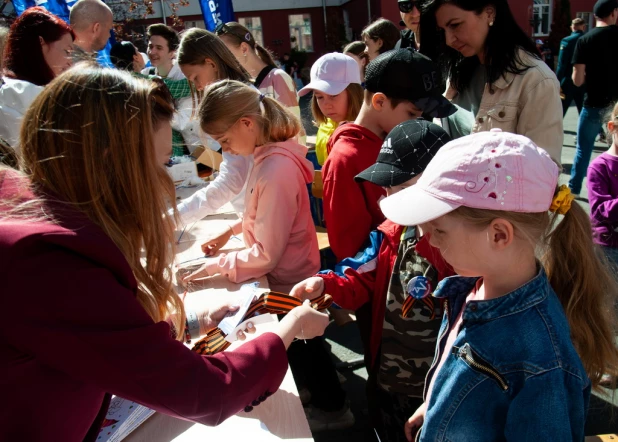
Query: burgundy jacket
[[73, 332]]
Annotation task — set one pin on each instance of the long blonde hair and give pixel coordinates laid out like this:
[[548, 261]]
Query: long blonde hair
[[227, 101], [578, 274], [197, 45], [87, 139]]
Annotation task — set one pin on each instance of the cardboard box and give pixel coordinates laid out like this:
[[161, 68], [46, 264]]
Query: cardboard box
[[208, 157]]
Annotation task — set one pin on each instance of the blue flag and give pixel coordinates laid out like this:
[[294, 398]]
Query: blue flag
[[59, 8], [216, 11]]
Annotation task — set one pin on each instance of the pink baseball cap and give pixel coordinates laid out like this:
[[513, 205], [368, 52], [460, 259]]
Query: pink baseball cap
[[492, 170], [332, 73]]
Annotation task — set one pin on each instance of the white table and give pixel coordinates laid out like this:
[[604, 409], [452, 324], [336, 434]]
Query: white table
[[279, 417]]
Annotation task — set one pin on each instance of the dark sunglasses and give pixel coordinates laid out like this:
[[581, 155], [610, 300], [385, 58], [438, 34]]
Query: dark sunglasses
[[406, 7], [222, 29]]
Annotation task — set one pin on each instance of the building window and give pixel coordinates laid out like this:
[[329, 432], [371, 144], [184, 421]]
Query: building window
[[588, 17], [300, 32], [254, 25], [541, 17], [194, 24]]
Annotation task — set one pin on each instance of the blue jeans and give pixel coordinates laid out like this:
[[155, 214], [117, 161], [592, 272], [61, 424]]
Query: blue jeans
[[590, 122]]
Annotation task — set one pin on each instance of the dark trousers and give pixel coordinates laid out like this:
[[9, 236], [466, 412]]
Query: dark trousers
[[396, 409], [313, 367], [572, 93]]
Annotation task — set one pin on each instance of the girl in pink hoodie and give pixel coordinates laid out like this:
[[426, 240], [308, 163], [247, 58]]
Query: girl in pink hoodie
[[277, 226]]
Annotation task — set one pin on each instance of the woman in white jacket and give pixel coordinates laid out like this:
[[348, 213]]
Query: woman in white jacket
[[38, 49]]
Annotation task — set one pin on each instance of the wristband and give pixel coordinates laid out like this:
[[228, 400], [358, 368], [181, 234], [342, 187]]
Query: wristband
[[192, 329]]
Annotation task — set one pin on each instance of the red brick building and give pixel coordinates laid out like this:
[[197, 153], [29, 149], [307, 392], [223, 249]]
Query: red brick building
[[319, 26]]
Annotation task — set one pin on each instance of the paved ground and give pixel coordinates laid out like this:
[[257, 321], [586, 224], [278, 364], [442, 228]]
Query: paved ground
[[345, 344]]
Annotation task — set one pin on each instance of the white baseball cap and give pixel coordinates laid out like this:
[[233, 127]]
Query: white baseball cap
[[332, 73]]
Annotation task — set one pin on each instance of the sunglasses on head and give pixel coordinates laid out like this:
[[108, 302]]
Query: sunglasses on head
[[406, 7], [222, 29]]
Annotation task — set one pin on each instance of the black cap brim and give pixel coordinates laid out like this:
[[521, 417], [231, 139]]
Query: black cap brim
[[435, 107], [384, 175]]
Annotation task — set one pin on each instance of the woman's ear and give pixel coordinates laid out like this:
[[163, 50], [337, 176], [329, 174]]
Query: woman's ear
[[211, 63], [500, 234], [490, 14], [379, 42], [611, 126], [41, 40]]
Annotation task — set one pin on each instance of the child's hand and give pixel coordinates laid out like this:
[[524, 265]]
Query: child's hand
[[310, 288], [414, 423], [216, 241]]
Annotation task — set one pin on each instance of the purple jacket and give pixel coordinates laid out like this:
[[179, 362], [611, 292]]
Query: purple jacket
[[603, 196], [73, 332]]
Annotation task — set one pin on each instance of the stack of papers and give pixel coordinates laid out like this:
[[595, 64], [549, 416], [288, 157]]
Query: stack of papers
[[123, 416]]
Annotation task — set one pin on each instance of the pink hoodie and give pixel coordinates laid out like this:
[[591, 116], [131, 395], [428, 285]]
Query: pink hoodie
[[277, 226]]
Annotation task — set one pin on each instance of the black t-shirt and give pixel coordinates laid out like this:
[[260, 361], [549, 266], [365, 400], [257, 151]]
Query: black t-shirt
[[598, 50]]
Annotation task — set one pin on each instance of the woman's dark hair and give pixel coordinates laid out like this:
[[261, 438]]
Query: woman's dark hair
[[386, 31], [504, 40], [122, 54], [23, 53], [239, 34]]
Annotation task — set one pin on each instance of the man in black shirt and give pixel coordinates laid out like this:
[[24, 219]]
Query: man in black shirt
[[595, 65], [410, 18]]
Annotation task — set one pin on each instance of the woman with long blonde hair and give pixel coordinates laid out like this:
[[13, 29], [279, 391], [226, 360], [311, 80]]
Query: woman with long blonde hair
[[87, 318]]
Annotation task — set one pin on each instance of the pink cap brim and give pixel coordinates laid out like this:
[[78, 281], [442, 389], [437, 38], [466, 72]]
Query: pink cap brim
[[330, 88], [414, 206]]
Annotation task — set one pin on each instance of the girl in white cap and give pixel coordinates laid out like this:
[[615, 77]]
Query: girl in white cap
[[337, 96]]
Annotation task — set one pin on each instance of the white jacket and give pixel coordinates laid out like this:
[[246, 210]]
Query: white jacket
[[229, 186], [15, 99]]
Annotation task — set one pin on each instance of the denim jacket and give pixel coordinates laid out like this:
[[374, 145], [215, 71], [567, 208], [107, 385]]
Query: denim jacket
[[512, 374]]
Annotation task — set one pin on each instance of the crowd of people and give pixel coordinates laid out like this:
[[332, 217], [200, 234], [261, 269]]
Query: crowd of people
[[477, 279]]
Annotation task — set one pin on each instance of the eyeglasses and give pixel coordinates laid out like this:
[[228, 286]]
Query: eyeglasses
[[222, 29], [406, 7]]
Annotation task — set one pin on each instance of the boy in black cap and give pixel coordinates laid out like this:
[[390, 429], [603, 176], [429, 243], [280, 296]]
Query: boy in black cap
[[400, 85], [396, 274]]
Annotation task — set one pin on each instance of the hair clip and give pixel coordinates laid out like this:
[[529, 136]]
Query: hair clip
[[262, 97], [248, 36]]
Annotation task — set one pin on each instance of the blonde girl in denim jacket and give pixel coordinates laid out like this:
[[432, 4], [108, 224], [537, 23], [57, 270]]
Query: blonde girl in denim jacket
[[527, 329]]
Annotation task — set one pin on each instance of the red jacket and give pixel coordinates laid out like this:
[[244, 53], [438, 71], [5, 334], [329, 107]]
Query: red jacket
[[73, 332], [351, 209], [370, 282]]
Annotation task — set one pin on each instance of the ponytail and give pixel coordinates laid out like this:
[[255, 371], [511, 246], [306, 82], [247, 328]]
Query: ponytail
[[265, 55], [225, 102], [580, 276], [578, 273]]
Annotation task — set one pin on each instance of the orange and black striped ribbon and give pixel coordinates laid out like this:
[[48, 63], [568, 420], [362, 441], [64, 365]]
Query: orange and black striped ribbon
[[271, 302], [408, 304]]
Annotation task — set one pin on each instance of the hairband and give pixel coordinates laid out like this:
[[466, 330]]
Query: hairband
[[561, 202], [262, 97]]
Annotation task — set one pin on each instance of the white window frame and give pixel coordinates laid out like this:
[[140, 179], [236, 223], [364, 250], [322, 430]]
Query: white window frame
[[256, 31], [189, 24], [298, 31], [544, 9]]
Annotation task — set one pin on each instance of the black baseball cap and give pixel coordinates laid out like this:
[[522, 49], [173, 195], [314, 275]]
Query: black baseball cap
[[406, 152], [409, 75], [604, 8]]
